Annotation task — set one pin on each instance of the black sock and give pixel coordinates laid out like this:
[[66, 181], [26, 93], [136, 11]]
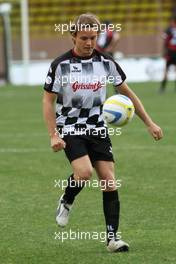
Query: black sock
[[111, 207], [72, 189]]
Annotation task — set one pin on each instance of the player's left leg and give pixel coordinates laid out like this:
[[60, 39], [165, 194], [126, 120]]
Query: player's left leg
[[111, 205]]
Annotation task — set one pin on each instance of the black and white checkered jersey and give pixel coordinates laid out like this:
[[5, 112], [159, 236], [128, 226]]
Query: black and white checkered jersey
[[80, 83]]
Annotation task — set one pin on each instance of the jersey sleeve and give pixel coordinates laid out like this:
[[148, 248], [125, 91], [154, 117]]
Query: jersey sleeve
[[53, 80], [116, 76]]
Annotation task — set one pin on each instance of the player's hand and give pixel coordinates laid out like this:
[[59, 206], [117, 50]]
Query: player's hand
[[57, 143], [155, 131]]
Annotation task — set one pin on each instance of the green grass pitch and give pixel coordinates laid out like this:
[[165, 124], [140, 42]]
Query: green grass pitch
[[28, 198]]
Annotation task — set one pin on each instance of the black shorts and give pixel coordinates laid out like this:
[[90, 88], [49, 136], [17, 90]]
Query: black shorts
[[96, 147]]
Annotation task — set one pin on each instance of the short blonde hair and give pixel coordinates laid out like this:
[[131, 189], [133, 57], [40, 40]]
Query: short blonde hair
[[83, 21]]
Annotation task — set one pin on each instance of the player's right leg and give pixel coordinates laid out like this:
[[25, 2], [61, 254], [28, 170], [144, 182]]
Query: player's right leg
[[82, 171]]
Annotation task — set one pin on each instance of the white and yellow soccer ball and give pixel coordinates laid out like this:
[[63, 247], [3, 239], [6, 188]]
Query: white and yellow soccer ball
[[118, 110]]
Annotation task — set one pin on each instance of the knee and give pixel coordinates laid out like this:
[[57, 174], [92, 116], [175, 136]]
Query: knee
[[83, 174], [108, 183]]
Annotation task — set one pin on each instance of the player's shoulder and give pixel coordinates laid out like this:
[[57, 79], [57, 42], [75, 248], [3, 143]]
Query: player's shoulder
[[64, 57], [114, 65], [105, 55]]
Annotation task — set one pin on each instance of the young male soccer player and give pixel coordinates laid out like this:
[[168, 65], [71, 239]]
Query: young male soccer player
[[76, 80], [169, 51]]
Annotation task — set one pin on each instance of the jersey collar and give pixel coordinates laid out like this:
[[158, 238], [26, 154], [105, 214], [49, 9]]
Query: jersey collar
[[82, 58]]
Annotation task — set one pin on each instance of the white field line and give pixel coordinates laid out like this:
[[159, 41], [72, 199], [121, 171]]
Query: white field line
[[14, 121], [132, 147], [39, 134], [23, 150], [156, 147], [22, 134]]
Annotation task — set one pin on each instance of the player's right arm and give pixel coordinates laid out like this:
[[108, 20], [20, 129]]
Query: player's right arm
[[49, 116], [52, 87]]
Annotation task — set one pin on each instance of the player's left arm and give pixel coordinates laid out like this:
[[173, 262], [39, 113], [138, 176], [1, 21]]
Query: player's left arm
[[153, 128]]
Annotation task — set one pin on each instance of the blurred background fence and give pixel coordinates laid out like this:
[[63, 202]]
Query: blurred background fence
[[142, 23]]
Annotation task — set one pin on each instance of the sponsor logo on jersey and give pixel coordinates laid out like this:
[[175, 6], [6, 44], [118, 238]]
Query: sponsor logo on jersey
[[75, 69], [86, 86]]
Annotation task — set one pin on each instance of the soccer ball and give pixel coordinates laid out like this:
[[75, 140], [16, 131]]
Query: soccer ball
[[118, 110]]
